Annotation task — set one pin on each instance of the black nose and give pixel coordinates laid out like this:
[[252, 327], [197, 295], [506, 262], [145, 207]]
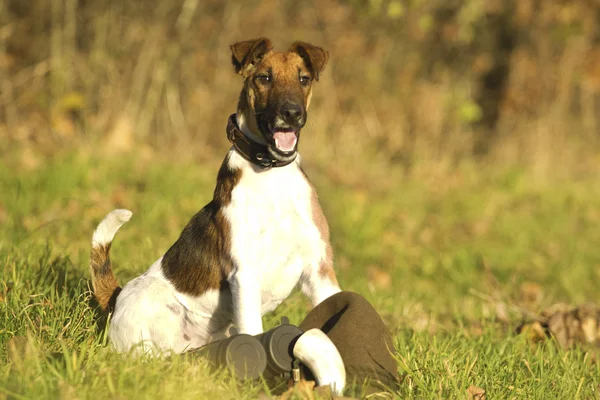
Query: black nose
[[292, 113]]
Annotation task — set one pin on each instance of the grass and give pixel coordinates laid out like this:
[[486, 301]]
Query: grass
[[443, 260]]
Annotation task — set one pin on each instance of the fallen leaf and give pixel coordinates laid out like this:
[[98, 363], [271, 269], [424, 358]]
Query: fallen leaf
[[567, 325], [475, 393], [578, 325]]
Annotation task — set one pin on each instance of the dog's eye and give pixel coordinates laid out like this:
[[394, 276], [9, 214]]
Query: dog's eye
[[304, 80], [264, 79]]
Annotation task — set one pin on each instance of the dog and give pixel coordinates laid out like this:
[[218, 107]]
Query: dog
[[263, 233]]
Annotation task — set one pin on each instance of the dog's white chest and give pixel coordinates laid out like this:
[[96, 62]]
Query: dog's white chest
[[273, 232]]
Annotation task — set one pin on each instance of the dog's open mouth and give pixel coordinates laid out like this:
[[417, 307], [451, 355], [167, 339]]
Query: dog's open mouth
[[285, 140], [282, 139]]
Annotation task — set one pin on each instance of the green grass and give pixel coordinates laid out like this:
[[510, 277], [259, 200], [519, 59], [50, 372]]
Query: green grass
[[435, 257]]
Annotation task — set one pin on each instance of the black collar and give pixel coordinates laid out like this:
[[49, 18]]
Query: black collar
[[252, 151]]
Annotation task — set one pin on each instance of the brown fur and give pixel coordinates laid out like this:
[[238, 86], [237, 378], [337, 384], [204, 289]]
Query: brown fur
[[255, 59], [326, 267], [285, 69], [200, 259], [103, 281], [314, 57]]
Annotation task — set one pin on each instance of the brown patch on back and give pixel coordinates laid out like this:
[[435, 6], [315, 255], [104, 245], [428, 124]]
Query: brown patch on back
[[201, 258], [104, 283], [326, 267]]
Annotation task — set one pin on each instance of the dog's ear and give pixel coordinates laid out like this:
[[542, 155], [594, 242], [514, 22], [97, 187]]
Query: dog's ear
[[249, 53], [314, 57]]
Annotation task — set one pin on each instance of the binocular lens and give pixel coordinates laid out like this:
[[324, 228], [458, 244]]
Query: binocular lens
[[269, 354], [278, 344], [243, 354]]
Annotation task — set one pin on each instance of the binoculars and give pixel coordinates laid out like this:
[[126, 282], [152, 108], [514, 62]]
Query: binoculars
[[269, 354]]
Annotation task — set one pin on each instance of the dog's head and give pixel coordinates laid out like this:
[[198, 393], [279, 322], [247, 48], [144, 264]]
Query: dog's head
[[277, 90]]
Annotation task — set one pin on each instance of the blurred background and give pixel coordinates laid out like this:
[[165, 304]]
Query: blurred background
[[412, 86]]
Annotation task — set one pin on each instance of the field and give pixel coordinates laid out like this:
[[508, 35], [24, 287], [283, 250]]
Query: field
[[453, 265], [454, 146]]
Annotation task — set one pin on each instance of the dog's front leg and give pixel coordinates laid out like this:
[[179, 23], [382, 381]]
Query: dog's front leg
[[245, 291], [318, 282]]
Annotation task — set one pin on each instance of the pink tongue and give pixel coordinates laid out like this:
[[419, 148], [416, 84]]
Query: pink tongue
[[285, 141]]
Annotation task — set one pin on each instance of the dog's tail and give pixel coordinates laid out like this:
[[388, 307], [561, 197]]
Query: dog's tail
[[106, 288]]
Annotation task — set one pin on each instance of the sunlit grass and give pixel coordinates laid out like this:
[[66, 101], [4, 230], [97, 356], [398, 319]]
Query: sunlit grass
[[432, 257]]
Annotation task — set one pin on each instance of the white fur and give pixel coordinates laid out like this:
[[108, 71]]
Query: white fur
[[274, 245], [315, 350], [144, 316], [108, 227]]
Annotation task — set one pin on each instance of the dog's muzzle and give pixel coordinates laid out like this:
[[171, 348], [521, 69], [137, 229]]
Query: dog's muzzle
[[285, 130]]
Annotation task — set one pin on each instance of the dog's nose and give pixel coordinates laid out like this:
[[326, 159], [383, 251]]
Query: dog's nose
[[292, 113]]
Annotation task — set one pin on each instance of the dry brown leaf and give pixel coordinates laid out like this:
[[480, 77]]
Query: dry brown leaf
[[475, 393], [578, 325], [568, 325]]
